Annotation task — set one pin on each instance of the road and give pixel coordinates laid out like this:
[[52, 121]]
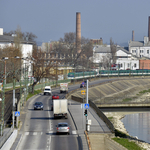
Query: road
[[39, 127]]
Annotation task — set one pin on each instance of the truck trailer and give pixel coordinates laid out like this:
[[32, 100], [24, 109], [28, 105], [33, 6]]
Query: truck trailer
[[60, 108], [63, 87]]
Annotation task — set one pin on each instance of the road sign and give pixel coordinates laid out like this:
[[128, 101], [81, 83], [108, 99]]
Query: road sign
[[82, 92], [83, 83], [86, 106], [17, 113]]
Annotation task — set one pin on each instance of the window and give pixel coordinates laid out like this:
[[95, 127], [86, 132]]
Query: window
[[128, 65], [134, 65], [140, 51], [121, 65], [147, 51]]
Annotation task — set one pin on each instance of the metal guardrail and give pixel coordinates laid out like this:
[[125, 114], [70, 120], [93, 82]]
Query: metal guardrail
[[102, 116], [5, 136]]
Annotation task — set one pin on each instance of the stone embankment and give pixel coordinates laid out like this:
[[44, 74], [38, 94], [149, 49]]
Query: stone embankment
[[122, 91]]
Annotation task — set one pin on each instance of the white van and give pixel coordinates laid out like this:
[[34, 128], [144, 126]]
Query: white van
[[47, 90]]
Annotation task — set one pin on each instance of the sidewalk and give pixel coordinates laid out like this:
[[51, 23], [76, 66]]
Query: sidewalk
[[97, 124]]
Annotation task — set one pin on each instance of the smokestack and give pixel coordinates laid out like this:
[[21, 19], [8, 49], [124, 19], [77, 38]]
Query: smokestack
[[133, 35], [149, 28], [78, 32]]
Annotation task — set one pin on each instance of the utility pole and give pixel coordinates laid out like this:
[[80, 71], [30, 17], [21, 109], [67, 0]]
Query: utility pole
[[87, 102]]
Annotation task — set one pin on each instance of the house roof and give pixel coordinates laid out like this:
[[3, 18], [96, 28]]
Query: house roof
[[100, 49], [10, 39], [138, 44]]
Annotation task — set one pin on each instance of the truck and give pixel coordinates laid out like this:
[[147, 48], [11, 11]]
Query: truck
[[63, 87], [47, 90], [60, 108]]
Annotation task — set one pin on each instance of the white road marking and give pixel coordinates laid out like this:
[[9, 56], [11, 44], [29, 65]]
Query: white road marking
[[27, 133], [74, 132], [34, 133]]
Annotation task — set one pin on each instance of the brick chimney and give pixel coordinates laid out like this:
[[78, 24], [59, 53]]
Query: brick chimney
[[133, 35], [78, 32]]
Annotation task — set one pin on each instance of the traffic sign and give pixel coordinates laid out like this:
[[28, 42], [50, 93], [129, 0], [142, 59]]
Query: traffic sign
[[83, 83], [17, 113], [83, 92], [86, 106]]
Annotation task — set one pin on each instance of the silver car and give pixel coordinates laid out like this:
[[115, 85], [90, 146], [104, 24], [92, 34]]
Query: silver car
[[62, 127]]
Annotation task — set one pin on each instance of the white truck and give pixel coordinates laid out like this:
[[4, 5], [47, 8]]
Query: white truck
[[63, 87], [47, 90], [60, 108]]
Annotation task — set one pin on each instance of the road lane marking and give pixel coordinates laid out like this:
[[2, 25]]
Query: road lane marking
[[27, 133], [74, 132]]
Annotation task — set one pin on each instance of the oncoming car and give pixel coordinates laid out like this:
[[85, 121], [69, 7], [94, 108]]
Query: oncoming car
[[38, 105], [62, 127]]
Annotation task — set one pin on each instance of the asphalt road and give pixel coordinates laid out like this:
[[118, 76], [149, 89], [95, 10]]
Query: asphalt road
[[39, 126]]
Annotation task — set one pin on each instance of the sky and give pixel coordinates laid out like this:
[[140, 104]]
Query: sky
[[50, 19]]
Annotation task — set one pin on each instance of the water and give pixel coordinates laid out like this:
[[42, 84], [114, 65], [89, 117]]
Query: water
[[138, 125]]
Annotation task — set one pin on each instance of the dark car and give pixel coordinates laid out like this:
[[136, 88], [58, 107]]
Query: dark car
[[38, 105]]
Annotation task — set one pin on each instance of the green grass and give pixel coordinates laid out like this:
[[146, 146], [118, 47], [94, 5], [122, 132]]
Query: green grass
[[127, 99], [144, 91], [35, 92], [110, 118], [130, 145]]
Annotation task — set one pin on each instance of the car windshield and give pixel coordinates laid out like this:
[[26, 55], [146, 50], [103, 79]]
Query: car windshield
[[38, 103], [62, 125], [47, 89]]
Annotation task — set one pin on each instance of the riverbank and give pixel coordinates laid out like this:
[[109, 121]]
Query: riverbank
[[118, 124]]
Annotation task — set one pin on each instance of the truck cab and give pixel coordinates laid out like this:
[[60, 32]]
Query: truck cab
[[47, 90]]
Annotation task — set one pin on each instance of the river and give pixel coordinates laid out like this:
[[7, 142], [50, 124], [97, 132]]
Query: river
[[138, 125]]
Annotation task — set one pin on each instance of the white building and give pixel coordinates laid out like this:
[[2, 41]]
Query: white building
[[124, 58], [26, 48], [140, 48]]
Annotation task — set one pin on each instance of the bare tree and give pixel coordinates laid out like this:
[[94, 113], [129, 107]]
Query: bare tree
[[43, 66], [113, 49]]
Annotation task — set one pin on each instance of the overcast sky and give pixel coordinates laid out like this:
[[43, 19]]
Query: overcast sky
[[50, 19]]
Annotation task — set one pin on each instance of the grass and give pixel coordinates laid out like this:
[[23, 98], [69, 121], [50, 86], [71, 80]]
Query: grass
[[35, 92], [130, 145], [144, 91], [127, 99]]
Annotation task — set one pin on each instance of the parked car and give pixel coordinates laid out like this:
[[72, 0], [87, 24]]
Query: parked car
[[62, 127], [38, 105], [55, 96]]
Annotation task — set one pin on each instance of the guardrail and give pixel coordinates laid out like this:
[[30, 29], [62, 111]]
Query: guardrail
[[102, 116], [5, 136]]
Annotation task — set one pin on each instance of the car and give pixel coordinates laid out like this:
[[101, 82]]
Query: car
[[52, 106], [47, 90], [62, 127], [55, 96], [38, 105], [82, 85]]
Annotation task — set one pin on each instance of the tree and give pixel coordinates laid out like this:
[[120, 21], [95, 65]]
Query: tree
[[28, 36], [42, 66], [113, 49], [68, 47]]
